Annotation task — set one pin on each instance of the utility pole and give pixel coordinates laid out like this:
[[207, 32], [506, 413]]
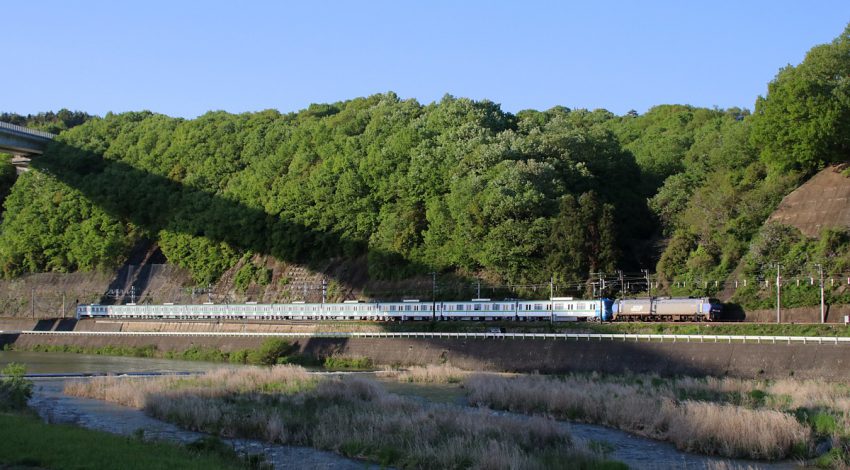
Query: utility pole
[[778, 291], [433, 295], [648, 284], [63, 305], [32, 301], [822, 304], [324, 290], [601, 284], [478, 292], [622, 284], [551, 302]]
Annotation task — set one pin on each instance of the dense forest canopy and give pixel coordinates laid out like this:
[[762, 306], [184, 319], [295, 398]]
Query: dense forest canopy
[[451, 185], [456, 185]]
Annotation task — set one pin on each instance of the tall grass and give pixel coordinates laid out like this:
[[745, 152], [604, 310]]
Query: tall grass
[[353, 416], [650, 409], [439, 374], [135, 391]]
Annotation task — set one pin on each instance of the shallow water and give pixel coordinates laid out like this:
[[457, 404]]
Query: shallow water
[[68, 363], [54, 406]]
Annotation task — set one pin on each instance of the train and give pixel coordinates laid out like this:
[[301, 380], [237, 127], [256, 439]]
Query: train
[[556, 309]]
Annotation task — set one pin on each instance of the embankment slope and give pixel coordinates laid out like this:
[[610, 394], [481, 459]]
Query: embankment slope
[[769, 361]]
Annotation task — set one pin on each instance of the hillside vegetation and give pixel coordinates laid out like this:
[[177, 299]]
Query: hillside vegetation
[[454, 186]]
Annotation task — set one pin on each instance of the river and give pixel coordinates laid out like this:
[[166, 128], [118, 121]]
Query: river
[[56, 407]]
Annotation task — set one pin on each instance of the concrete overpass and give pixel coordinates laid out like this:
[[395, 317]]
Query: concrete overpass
[[22, 143]]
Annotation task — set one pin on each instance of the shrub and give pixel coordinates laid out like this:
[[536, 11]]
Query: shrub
[[15, 390], [269, 352]]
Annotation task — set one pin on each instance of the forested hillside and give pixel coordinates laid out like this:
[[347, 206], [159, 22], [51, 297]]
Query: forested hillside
[[455, 186], [451, 185]]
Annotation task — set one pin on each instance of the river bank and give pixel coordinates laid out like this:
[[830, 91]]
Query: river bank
[[637, 452], [545, 355]]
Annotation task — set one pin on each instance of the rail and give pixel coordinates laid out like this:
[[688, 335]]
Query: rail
[[514, 336], [26, 130]]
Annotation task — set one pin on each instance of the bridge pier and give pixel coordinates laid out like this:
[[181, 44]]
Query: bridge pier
[[21, 163]]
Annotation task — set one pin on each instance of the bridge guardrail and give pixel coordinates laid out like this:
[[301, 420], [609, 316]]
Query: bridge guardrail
[[26, 130], [425, 335]]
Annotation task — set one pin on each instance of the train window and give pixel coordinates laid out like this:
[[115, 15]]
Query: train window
[[538, 306], [495, 307]]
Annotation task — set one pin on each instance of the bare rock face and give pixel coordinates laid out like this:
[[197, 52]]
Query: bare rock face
[[823, 201]]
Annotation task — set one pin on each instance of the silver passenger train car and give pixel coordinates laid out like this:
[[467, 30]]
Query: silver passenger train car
[[556, 309]]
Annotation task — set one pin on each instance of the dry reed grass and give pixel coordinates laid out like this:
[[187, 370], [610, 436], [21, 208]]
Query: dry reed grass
[[135, 391], [435, 374], [732, 430], [785, 393], [350, 415], [649, 410]]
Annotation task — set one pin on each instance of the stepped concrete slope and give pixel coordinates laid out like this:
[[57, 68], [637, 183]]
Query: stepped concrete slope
[[823, 201]]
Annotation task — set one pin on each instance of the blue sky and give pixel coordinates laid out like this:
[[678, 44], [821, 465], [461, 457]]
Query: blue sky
[[186, 58]]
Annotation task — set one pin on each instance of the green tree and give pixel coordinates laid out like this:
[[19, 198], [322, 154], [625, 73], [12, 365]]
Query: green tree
[[583, 238], [804, 121]]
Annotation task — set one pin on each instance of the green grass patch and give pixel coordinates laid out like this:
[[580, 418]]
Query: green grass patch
[[271, 351], [126, 351], [25, 441], [835, 458], [348, 363]]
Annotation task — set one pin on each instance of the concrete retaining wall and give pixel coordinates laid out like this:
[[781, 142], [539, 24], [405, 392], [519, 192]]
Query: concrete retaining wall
[[17, 324], [834, 314], [558, 356], [807, 361]]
